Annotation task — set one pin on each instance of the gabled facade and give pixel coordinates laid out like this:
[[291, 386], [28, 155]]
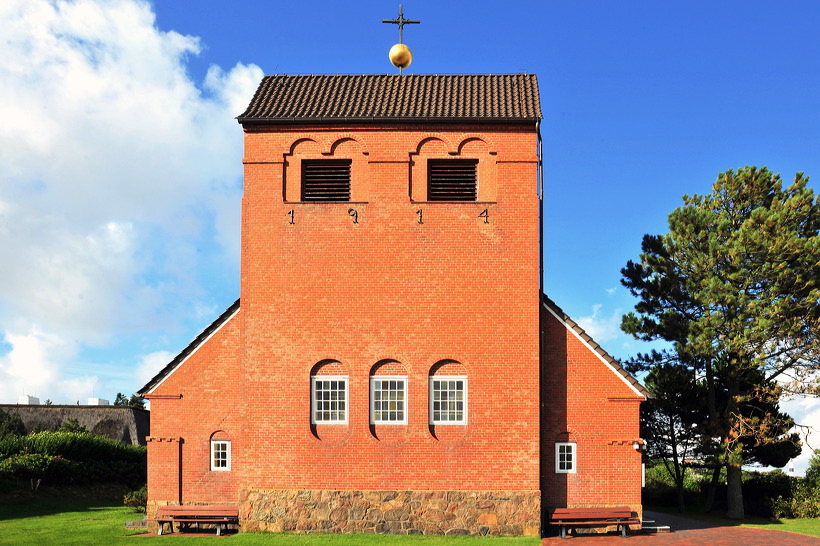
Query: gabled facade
[[392, 366]]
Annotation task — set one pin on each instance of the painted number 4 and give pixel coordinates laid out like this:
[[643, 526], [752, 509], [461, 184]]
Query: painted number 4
[[486, 215]]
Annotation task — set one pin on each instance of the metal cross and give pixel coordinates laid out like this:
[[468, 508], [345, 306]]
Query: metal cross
[[401, 21]]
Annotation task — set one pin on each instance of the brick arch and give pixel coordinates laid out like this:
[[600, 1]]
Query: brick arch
[[328, 366], [219, 435], [331, 146], [388, 366], [487, 144], [299, 142], [566, 436], [431, 137], [449, 366]]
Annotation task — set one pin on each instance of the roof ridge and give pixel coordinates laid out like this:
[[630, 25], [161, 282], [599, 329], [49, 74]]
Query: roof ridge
[[391, 97]]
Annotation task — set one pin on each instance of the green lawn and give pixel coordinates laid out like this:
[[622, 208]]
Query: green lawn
[[60, 518], [51, 519], [809, 527]]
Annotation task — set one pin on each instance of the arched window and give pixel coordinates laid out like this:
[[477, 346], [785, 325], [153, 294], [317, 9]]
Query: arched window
[[566, 453], [329, 393], [220, 451], [448, 393], [565, 458], [388, 393]]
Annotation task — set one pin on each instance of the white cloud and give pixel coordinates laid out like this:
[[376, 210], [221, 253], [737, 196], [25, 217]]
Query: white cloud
[[150, 365], [806, 412], [116, 171], [32, 365], [602, 328]]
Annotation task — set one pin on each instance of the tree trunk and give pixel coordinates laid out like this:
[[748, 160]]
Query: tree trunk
[[710, 492], [734, 450], [734, 491], [680, 471]]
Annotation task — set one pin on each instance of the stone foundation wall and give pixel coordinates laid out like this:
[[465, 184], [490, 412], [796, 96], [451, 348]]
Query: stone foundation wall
[[508, 513]]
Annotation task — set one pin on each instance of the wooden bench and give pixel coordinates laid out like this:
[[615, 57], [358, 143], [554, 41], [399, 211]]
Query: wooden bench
[[217, 515], [621, 517]]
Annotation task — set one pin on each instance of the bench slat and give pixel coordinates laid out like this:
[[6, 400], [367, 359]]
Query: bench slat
[[599, 522], [198, 514], [185, 515], [198, 508], [619, 516], [587, 508], [601, 515]]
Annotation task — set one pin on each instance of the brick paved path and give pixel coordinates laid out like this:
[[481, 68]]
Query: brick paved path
[[688, 532]]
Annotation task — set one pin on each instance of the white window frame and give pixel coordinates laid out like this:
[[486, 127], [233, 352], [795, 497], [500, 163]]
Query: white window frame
[[314, 400], [227, 448], [573, 451], [404, 390], [431, 396]]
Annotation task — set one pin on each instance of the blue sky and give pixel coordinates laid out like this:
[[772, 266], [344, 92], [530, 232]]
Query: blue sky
[[120, 159]]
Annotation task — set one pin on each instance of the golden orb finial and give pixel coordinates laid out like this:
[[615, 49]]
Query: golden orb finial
[[400, 55]]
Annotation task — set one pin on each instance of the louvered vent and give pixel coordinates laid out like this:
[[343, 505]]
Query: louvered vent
[[451, 179], [326, 180]]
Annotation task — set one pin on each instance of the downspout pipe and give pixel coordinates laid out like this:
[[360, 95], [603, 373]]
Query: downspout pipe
[[540, 207], [541, 395]]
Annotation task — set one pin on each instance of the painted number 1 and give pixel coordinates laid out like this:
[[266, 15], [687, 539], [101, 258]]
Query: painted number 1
[[290, 212], [420, 213]]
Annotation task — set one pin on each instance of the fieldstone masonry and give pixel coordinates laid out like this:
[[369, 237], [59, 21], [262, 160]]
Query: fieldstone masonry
[[508, 513]]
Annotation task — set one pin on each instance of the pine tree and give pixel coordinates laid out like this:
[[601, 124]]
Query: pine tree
[[735, 286]]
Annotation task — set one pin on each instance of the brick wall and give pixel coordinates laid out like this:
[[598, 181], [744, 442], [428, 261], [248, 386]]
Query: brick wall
[[200, 400], [390, 284], [389, 287], [588, 404]]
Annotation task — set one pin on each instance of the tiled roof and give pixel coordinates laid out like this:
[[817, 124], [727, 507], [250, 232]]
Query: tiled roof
[[612, 362], [327, 98]]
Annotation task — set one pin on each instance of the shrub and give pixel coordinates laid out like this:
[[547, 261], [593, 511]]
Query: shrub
[[97, 458], [11, 424], [802, 502], [660, 487], [36, 466], [77, 446], [137, 500], [813, 472], [761, 488]]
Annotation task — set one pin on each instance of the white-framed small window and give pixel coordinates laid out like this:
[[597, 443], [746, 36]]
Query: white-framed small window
[[565, 458], [388, 400], [220, 454], [448, 400], [328, 399]]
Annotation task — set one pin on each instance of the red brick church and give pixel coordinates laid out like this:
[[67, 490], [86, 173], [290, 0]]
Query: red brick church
[[392, 364]]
